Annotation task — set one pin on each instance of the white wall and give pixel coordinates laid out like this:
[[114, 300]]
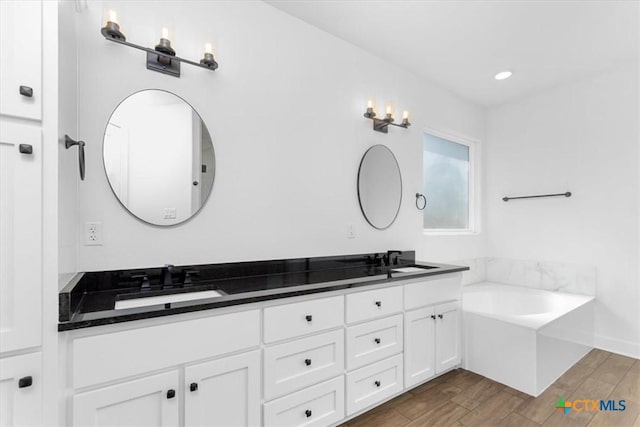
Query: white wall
[[285, 114], [581, 137]]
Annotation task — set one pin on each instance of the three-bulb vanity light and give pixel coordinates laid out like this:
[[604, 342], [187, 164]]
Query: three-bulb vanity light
[[382, 125], [163, 58]]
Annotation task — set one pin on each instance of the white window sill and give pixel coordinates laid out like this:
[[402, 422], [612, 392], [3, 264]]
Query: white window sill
[[450, 232]]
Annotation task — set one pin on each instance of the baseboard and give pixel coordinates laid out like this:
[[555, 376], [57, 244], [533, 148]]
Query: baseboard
[[626, 348]]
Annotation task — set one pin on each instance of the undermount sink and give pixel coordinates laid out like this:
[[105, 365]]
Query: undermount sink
[[408, 270], [166, 299]]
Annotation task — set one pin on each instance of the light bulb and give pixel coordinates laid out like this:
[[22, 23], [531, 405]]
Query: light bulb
[[165, 33], [113, 17], [405, 115], [389, 109], [369, 104], [208, 48]]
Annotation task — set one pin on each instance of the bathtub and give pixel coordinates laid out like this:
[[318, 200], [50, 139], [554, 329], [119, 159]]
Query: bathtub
[[522, 337]]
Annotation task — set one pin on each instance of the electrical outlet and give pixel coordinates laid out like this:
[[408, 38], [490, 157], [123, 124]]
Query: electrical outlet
[[169, 213], [351, 231], [93, 234]]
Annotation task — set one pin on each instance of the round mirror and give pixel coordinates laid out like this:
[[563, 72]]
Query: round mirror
[[379, 187], [158, 157]]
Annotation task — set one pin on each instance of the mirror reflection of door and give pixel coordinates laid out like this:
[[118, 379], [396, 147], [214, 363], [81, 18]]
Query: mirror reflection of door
[[159, 157]]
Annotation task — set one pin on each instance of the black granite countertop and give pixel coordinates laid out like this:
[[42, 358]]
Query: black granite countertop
[[90, 299]]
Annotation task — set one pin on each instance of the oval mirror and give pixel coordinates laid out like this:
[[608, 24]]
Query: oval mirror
[[158, 157], [379, 187]]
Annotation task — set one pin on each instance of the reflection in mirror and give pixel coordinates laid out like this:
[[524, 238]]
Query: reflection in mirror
[[158, 157], [379, 187]]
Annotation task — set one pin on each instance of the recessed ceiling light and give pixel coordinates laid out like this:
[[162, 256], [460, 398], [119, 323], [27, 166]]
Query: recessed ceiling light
[[503, 75]]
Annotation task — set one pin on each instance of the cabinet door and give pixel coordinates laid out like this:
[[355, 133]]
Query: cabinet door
[[21, 399], [447, 336], [148, 401], [419, 350], [20, 236], [224, 392], [20, 58]]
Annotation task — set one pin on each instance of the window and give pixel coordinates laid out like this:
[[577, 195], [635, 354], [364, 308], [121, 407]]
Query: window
[[448, 173]]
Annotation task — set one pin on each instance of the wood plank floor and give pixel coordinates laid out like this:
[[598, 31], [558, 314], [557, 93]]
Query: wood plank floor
[[462, 398]]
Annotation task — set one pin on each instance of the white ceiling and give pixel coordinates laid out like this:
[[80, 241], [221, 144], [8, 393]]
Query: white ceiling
[[461, 44]]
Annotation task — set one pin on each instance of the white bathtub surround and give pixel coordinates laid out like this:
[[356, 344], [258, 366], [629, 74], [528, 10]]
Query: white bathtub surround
[[546, 275], [525, 338]]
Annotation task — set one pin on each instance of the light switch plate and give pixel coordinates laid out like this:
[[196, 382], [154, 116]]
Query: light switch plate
[[351, 231], [169, 213]]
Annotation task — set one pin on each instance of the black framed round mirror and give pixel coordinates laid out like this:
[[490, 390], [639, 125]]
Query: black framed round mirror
[[379, 187], [158, 157]]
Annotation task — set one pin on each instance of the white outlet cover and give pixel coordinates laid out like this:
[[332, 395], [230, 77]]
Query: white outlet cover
[[170, 213], [92, 234], [351, 231]]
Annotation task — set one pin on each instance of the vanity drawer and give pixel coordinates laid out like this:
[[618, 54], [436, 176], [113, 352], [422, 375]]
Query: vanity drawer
[[434, 291], [116, 355], [371, 304], [301, 318], [320, 405], [373, 341], [373, 383], [301, 363]]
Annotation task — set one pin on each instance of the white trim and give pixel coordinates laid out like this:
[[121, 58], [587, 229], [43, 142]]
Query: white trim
[[475, 209], [614, 345]]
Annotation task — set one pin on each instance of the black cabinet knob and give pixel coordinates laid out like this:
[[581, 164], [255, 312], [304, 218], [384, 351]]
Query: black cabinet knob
[[193, 387], [433, 316], [440, 316], [307, 362], [26, 91], [307, 413], [379, 303], [195, 183], [308, 317], [25, 149], [377, 383], [377, 340], [171, 393], [25, 382]]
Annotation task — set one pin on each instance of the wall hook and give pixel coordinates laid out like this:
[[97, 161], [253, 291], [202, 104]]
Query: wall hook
[[68, 143]]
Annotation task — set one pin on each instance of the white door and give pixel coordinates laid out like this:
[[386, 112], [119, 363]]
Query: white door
[[148, 401], [21, 390], [20, 236], [224, 392], [20, 58], [419, 347], [447, 336]]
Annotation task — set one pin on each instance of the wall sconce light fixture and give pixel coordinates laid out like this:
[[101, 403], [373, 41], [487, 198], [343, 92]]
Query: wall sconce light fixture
[[382, 125], [163, 58]]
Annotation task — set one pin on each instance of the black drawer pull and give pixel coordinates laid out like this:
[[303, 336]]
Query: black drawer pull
[[171, 393], [25, 382], [307, 362], [433, 316], [308, 413], [25, 149], [379, 303], [377, 383], [193, 387], [439, 316], [377, 340], [26, 91], [308, 317]]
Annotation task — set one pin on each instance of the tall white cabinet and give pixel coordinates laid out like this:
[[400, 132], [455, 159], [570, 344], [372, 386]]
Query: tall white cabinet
[[28, 128]]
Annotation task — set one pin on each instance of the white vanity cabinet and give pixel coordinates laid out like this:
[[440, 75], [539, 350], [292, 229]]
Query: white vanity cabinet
[[432, 328], [223, 392], [21, 390], [148, 401], [21, 231], [21, 59], [313, 360]]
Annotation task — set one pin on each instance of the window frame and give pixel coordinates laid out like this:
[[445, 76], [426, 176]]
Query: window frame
[[474, 146]]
